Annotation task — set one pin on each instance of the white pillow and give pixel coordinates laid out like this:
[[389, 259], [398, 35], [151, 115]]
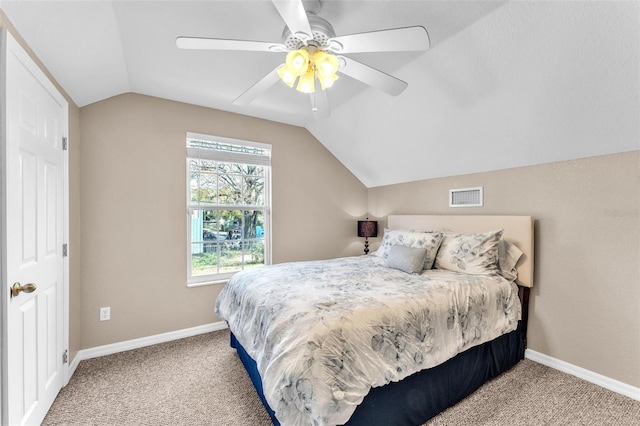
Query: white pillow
[[508, 256], [407, 259], [475, 254]]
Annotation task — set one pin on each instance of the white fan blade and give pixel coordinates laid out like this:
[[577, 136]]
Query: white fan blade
[[294, 15], [372, 77], [395, 40], [320, 104], [223, 44], [260, 86]]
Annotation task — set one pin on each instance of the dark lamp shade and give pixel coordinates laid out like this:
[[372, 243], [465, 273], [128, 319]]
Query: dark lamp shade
[[367, 228]]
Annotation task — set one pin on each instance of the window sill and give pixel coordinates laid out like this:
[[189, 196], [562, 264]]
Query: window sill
[[207, 283]]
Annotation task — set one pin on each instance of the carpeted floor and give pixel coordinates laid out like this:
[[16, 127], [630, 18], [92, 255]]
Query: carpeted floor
[[200, 381]]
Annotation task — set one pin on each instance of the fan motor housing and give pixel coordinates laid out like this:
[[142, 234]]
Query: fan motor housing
[[321, 29]]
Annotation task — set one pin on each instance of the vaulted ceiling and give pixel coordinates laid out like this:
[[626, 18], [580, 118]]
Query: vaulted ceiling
[[504, 84]]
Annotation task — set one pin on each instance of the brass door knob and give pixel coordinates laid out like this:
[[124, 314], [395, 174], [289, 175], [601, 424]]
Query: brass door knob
[[27, 288]]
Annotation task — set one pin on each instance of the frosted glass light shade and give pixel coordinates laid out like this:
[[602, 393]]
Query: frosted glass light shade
[[298, 61], [306, 84]]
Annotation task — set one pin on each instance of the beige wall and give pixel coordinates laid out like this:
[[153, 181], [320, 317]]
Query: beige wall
[[133, 210], [585, 304], [74, 194]]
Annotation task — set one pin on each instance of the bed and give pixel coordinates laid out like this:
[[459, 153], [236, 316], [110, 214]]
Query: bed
[[389, 338]]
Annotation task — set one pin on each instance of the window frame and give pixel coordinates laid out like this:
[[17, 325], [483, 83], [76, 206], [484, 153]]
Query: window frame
[[230, 157]]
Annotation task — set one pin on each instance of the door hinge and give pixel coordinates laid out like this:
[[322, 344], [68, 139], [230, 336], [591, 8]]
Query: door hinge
[[65, 356], [65, 144], [65, 250]]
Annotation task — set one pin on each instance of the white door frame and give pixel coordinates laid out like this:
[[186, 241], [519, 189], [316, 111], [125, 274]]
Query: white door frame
[[8, 42]]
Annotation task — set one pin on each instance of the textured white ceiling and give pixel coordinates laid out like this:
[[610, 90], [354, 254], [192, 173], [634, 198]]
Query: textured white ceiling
[[503, 85]]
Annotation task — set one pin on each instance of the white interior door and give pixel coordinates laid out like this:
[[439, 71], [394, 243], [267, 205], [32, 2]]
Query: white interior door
[[35, 165]]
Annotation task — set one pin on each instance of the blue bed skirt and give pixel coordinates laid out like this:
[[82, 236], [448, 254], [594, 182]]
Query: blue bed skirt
[[422, 395]]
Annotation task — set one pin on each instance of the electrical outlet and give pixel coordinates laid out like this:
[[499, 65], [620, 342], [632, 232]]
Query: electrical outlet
[[105, 313]]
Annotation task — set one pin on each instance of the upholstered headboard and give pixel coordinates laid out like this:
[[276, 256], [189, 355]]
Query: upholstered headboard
[[517, 229]]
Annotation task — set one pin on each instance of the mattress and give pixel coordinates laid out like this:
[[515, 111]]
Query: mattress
[[324, 333]]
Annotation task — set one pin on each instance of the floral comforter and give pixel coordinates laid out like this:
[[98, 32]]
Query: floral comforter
[[324, 332]]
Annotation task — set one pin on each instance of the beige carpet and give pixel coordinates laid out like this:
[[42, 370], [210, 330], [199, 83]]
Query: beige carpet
[[200, 381]]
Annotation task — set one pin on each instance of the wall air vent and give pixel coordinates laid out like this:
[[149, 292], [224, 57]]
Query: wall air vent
[[465, 197]]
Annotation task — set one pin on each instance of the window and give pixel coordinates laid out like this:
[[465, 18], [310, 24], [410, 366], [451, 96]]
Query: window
[[228, 203]]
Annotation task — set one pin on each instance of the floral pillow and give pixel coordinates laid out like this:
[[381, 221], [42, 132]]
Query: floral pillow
[[407, 259], [475, 254], [416, 239]]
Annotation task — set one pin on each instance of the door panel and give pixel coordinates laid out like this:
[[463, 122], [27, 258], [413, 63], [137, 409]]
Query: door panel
[[27, 215], [28, 326], [51, 355], [51, 218]]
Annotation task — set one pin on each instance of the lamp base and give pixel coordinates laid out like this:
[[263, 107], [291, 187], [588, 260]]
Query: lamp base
[[366, 245]]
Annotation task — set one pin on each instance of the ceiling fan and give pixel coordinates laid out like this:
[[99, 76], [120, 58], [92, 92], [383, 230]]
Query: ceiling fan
[[314, 52]]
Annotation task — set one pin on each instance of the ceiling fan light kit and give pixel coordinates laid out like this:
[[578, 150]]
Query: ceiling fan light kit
[[313, 50], [308, 64]]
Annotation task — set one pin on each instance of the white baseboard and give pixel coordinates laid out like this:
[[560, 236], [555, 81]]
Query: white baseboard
[[584, 374], [141, 343]]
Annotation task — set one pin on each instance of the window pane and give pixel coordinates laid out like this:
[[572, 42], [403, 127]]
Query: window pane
[[211, 226], [230, 256], [253, 190], [194, 177], [253, 224], [204, 259], [253, 253], [203, 181], [231, 223], [230, 188], [208, 187], [255, 170], [224, 168]]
